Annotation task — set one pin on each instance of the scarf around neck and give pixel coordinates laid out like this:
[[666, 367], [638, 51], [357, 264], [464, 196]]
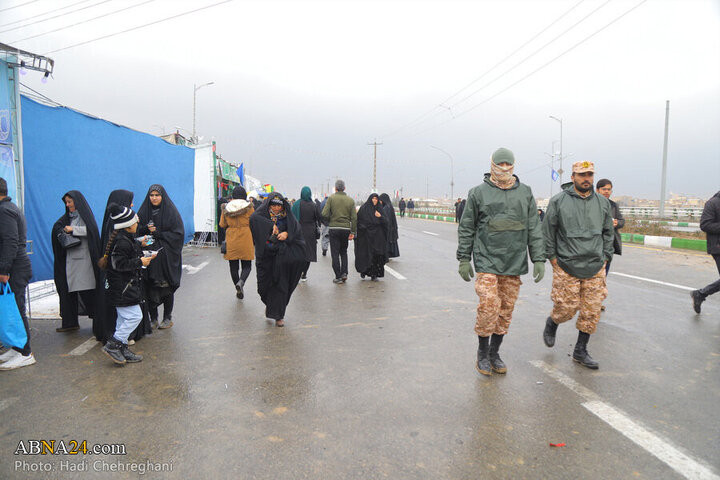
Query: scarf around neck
[[502, 177]]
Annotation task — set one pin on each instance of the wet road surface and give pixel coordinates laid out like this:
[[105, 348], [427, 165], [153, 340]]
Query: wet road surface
[[376, 380]]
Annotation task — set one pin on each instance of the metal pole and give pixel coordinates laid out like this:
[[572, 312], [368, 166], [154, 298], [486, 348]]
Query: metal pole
[[560, 171], [663, 182], [194, 101], [375, 145]]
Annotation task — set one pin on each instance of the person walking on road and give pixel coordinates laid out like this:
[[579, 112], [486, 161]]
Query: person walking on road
[[710, 224], [456, 206], [371, 240], [124, 260], [235, 219], [325, 229], [75, 268], [306, 212], [499, 227], [579, 235], [393, 250], [411, 207], [279, 255], [401, 206], [160, 218], [605, 187], [341, 215], [15, 269]]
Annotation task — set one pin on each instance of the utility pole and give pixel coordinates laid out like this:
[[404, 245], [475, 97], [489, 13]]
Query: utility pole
[[375, 145], [427, 188], [560, 171], [663, 182]]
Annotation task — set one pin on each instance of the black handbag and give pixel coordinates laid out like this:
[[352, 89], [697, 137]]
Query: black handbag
[[67, 241]]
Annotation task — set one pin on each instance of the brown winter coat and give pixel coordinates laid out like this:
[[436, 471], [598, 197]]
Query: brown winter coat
[[235, 218]]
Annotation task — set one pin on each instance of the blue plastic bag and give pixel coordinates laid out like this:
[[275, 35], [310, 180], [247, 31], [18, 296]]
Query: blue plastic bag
[[12, 329]]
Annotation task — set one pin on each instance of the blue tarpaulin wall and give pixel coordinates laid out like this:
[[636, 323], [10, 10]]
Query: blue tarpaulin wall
[[67, 150]]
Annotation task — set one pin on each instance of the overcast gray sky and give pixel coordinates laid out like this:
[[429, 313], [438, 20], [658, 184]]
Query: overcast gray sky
[[301, 87]]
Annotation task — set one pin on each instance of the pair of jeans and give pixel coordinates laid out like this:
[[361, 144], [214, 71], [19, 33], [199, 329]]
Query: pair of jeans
[[715, 286], [128, 318], [338, 251], [235, 268]]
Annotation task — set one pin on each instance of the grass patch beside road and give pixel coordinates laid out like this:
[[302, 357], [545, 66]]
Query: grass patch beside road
[[655, 229]]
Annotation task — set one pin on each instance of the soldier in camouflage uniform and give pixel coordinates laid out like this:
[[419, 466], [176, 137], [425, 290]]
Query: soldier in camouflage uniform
[[498, 226], [579, 233]]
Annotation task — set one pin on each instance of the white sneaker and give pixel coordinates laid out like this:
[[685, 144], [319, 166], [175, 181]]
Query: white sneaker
[[18, 362], [9, 355]]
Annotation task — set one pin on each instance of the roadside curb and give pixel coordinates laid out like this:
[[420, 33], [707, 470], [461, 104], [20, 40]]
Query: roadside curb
[[634, 238]]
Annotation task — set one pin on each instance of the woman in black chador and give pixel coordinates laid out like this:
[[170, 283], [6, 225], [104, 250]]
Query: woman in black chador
[[160, 218], [105, 314], [393, 250], [75, 269], [306, 212], [279, 254], [371, 239]]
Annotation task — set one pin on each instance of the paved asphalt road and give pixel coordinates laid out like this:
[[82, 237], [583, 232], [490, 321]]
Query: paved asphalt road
[[376, 380]]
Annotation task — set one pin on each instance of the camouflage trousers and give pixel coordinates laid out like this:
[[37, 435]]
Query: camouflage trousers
[[497, 294], [570, 294]]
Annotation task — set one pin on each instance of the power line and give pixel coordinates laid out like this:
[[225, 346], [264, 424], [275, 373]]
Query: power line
[[16, 6], [45, 13], [56, 16], [467, 97], [534, 71], [444, 102], [84, 21], [138, 27]]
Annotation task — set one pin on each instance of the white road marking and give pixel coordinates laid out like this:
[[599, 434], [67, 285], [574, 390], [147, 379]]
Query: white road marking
[[7, 402], [193, 270], [431, 233], [394, 273], [662, 449], [682, 287], [84, 347]]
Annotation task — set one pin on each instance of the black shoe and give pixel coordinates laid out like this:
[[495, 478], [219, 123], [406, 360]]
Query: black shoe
[[483, 363], [239, 289], [324, 253], [581, 355], [166, 323], [130, 357], [154, 323], [549, 333], [498, 366], [67, 329], [337, 280], [344, 277], [697, 298], [112, 350]]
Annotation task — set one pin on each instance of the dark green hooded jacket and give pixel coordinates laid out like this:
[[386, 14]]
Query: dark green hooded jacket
[[579, 232], [498, 227]]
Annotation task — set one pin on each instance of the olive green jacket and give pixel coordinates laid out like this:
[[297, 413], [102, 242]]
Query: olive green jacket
[[498, 227], [579, 232], [340, 212]]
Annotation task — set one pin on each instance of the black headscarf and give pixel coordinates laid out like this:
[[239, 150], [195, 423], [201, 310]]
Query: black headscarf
[[239, 193], [390, 214], [93, 240], [169, 234], [124, 198], [371, 237], [261, 225]]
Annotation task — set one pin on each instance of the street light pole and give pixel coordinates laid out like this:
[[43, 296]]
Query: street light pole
[[561, 154], [195, 89], [452, 174]]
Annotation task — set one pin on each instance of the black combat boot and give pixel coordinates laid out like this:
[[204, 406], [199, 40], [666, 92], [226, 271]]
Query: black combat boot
[[498, 366], [698, 298], [483, 363], [112, 350], [130, 357], [549, 333], [581, 355]]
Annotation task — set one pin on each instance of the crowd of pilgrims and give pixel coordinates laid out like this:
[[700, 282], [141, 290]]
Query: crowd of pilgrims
[[121, 274]]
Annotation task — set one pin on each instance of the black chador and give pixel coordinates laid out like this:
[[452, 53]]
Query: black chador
[[279, 263], [371, 239]]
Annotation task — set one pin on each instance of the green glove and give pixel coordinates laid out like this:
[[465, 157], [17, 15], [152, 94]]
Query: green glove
[[465, 270], [538, 271]]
